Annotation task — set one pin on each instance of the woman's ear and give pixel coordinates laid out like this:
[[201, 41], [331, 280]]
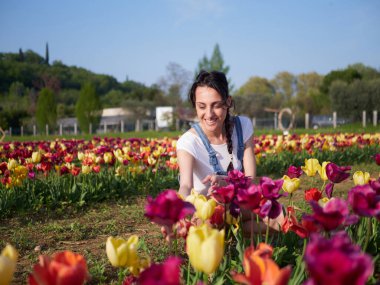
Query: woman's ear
[[229, 102]]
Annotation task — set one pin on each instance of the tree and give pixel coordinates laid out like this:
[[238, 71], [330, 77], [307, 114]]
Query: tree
[[284, 84], [216, 62], [47, 54], [46, 110], [88, 108], [175, 83]]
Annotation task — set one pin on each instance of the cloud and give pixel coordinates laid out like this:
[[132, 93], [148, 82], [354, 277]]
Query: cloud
[[195, 10]]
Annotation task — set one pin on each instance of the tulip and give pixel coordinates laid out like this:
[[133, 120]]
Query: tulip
[[167, 208], [225, 194], [377, 158], [8, 259], [290, 184], [364, 201], [204, 207], [322, 171], [217, 218], [334, 214], [361, 178], [313, 194], [65, 268], [108, 157], [121, 252], [291, 223], [336, 261], [205, 248], [168, 273], [36, 157], [337, 174], [260, 269], [249, 198], [86, 169], [294, 172], [311, 167], [271, 188]]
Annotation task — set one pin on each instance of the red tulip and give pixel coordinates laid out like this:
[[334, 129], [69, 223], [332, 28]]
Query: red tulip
[[65, 268], [291, 223], [312, 194]]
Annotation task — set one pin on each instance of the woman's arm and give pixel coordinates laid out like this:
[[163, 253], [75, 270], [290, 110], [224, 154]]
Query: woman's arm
[[186, 164], [249, 159]]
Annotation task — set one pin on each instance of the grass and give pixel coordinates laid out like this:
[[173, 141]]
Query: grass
[[85, 231]]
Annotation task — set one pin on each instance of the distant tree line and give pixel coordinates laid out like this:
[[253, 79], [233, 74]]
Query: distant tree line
[[33, 91]]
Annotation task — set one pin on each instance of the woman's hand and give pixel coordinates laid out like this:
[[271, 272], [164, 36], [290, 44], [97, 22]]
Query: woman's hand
[[215, 180]]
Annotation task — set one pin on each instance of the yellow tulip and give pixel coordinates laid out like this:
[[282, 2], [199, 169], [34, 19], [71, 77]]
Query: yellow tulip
[[107, 157], [36, 157], [311, 167], [361, 178], [12, 163], [86, 169], [204, 207], [322, 202], [80, 156], [8, 259], [205, 248], [322, 171], [290, 184], [121, 252]]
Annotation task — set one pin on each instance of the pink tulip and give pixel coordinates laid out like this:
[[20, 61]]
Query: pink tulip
[[225, 194], [377, 158], [364, 201], [168, 273]]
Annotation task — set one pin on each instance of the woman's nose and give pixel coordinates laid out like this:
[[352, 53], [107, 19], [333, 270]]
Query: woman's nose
[[209, 111]]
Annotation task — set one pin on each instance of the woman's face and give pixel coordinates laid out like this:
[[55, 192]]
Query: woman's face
[[211, 109]]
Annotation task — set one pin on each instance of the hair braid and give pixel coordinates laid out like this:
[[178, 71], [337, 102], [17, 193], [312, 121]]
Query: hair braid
[[228, 124]]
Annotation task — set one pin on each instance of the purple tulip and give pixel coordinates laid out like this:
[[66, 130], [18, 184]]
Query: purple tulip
[[249, 198], [332, 215], [294, 172], [270, 189], [329, 189], [337, 174], [270, 208], [336, 261], [167, 208], [364, 201]]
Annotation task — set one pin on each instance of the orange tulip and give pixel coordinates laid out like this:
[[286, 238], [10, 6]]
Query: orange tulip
[[260, 269], [65, 268]]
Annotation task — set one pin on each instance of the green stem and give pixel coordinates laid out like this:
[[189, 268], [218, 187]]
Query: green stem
[[188, 272], [252, 229], [369, 233], [267, 232], [259, 225]]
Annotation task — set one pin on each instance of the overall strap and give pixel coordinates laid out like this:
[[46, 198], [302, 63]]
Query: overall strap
[[211, 152], [239, 133]]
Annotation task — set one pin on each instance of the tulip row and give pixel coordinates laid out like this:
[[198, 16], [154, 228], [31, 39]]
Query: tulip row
[[340, 236], [75, 172]]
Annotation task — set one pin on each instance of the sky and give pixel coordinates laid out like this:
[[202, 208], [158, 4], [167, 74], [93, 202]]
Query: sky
[[137, 39]]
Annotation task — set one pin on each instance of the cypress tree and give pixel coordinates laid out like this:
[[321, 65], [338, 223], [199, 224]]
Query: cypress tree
[[46, 110], [47, 54]]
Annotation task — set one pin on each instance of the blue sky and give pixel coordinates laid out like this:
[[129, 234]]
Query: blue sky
[[139, 38]]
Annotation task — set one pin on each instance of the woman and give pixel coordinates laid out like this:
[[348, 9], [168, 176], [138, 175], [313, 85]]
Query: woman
[[217, 135]]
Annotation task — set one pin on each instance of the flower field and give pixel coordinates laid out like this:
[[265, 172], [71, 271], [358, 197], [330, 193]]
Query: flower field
[[102, 211]]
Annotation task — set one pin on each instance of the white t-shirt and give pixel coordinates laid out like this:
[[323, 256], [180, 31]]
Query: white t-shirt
[[193, 144]]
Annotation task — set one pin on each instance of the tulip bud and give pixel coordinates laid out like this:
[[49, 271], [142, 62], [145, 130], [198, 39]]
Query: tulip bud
[[8, 259]]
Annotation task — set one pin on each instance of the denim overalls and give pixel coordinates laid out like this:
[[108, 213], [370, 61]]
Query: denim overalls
[[211, 152]]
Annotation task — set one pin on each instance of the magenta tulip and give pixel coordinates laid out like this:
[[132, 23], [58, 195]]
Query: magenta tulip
[[168, 273], [167, 208], [336, 261], [294, 172], [377, 158], [337, 174], [249, 198], [334, 214], [271, 188], [364, 201], [225, 194]]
